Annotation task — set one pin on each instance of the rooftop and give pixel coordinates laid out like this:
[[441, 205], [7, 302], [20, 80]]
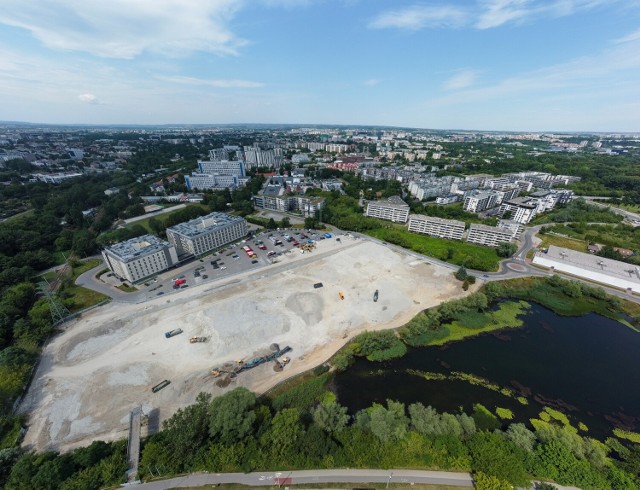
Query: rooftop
[[392, 202], [608, 267], [433, 219], [137, 247], [205, 224]]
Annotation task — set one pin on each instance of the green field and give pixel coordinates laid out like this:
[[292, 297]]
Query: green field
[[455, 252], [564, 242]]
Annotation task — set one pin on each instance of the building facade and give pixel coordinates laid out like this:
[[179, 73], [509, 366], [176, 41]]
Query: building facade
[[439, 227], [206, 233], [222, 167], [477, 201], [140, 257], [392, 209], [489, 236], [214, 181]]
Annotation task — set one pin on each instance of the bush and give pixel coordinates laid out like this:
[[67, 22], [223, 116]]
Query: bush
[[379, 346]]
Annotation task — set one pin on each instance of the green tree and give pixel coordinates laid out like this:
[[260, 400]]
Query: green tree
[[494, 455], [522, 437], [231, 416], [284, 433], [390, 423], [506, 249], [271, 224], [285, 223], [330, 417]]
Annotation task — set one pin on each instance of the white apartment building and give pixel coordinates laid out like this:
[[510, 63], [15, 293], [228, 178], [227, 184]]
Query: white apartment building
[[140, 257], [514, 227], [207, 233], [520, 209], [392, 209], [489, 236], [203, 181], [443, 228], [222, 167], [478, 201], [56, 178]]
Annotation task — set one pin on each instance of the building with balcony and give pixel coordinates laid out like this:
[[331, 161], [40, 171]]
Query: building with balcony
[[438, 227], [139, 258]]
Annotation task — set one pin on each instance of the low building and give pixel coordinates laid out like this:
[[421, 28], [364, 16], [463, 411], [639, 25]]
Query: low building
[[201, 235], [448, 199], [439, 227], [140, 257], [599, 269], [214, 181], [489, 236], [392, 209]]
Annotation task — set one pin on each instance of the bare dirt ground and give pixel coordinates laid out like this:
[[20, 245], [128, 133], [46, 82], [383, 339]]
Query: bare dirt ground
[[104, 364]]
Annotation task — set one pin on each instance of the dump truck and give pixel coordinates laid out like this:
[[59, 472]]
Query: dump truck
[[173, 333], [195, 340]]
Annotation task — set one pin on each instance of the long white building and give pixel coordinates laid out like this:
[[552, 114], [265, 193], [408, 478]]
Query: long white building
[[443, 228], [392, 209], [204, 181], [140, 257], [599, 269], [489, 236], [207, 233]]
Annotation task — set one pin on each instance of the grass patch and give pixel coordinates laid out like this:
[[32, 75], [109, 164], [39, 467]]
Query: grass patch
[[628, 435], [126, 288], [455, 252], [504, 413], [564, 242], [303, 395], [79, 298], [506, 316]]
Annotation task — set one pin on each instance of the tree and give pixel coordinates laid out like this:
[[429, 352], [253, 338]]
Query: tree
[[271, 224], [330, 417], [231, 416], [284, 432], [461, 274], [522, 437], [389, 424], [494, 455], [285, 223], [506, 249]]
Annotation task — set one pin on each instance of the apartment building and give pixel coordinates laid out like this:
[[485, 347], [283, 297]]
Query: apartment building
[[489, 236], [222, 167], [392, 209], [203, 181], [207, 233], [478, 201], [520, 209], [139, 258], [439, 227]]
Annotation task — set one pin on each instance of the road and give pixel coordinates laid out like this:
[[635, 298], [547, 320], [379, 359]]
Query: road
[[265, 478], [633, 218]]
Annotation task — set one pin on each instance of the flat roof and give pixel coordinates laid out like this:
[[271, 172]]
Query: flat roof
[[434, 219], [602, 265], [392, 202], [205, 224], [137, 247], [489, 229]]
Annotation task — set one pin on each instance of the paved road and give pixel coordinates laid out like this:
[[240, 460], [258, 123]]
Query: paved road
[[285, 478], [633, 218]]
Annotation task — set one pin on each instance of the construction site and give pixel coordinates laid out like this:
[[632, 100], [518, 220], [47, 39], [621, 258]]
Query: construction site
[[151, 359]]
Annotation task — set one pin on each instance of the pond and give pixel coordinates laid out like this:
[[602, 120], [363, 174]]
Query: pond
[[588, 367]]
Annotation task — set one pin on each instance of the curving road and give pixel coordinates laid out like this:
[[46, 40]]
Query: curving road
[[279, 478]]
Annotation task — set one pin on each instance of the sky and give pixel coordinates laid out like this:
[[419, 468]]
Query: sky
[[513, 65]]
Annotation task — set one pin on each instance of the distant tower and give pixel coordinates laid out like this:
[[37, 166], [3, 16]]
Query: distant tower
[[58, 311]]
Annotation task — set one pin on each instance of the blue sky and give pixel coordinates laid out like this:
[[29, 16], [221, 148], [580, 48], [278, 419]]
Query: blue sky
[[526, 65]]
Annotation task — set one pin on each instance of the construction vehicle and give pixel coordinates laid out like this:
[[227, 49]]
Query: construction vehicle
[[341, 294], [375, 296], [173, 333], [161, 385], [195, 340]]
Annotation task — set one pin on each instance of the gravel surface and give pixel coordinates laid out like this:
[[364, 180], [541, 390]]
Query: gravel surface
[[104, 364]]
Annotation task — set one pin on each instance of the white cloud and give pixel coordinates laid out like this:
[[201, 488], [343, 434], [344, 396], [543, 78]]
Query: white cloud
[[634, 36], [372, 82], [217, 83], [498, 12], [89, 98], [420, 16], [125, 28], [610, 68], [484, 14], [462, 79]]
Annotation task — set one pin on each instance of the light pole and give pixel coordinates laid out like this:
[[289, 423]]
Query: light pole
[[389, 480]]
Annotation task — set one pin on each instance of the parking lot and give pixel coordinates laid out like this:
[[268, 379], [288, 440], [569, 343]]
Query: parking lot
[[233, 260]]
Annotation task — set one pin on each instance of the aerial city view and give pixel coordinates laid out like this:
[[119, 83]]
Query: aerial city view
[[356, 244]]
